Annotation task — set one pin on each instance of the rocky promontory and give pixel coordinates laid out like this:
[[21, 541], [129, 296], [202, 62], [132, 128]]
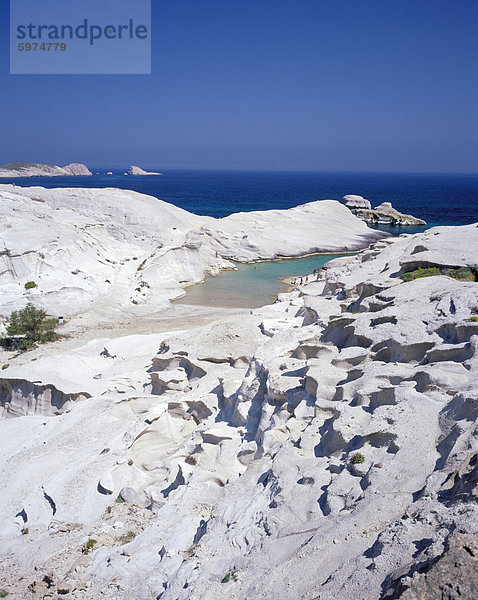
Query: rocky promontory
[[133, 170], [384, 214], [41, 170]]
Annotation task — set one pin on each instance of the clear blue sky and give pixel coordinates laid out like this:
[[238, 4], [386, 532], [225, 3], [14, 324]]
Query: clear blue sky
[[379, 85]]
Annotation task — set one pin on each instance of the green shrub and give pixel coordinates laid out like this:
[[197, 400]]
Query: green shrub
[[462, 273], [230, 575], [3, 593], [32, 323], [411, 275], [127, 537], [357, 459], [29, 285], [5, 367], [88, 546], [472, 319], [25, 531]]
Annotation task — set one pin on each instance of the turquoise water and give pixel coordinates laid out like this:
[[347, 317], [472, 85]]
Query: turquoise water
[[252, 286]]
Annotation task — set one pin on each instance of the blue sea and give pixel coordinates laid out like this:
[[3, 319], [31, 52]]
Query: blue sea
[[438, 199]]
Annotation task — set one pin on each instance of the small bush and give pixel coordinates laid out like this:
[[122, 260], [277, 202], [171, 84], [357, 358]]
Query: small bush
[[25, 531], [472, 319], [119, 500], [5, 367], [357, 459], [130, 462], [230, 575], [3, 593], [29, 285], [127, 537], [88, 546]]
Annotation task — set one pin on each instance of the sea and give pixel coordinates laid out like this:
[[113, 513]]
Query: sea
[[439, 199]]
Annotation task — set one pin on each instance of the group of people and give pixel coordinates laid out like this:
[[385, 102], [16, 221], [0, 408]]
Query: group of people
[[297, 281], [300, 280]]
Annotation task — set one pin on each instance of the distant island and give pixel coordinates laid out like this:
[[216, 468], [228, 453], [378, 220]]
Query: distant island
[[133, 170], [40, 170]]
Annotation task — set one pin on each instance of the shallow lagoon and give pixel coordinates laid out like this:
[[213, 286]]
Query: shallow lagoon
[[252, 285]]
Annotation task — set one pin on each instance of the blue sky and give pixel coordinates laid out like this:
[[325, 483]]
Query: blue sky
[[299, 85]]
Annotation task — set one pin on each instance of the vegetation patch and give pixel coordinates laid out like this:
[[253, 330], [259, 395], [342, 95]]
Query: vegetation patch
[[357, 459], [27, 327], [127, 537], [412, 275], [88, 546], [18, 166], [29, 285], [230, 576], [462, 274]]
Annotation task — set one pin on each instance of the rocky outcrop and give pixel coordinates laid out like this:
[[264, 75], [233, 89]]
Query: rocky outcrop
[[110, 249], [133, 170], [384, 214], [39, 170], [20, 397], [354, 202], [77, 169]]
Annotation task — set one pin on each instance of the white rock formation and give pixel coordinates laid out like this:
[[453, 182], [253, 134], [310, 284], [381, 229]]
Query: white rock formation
[[114, 249], [40, 170], [133, 170], [77, 169], [352, 201], [383, 214], [323, 446]]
